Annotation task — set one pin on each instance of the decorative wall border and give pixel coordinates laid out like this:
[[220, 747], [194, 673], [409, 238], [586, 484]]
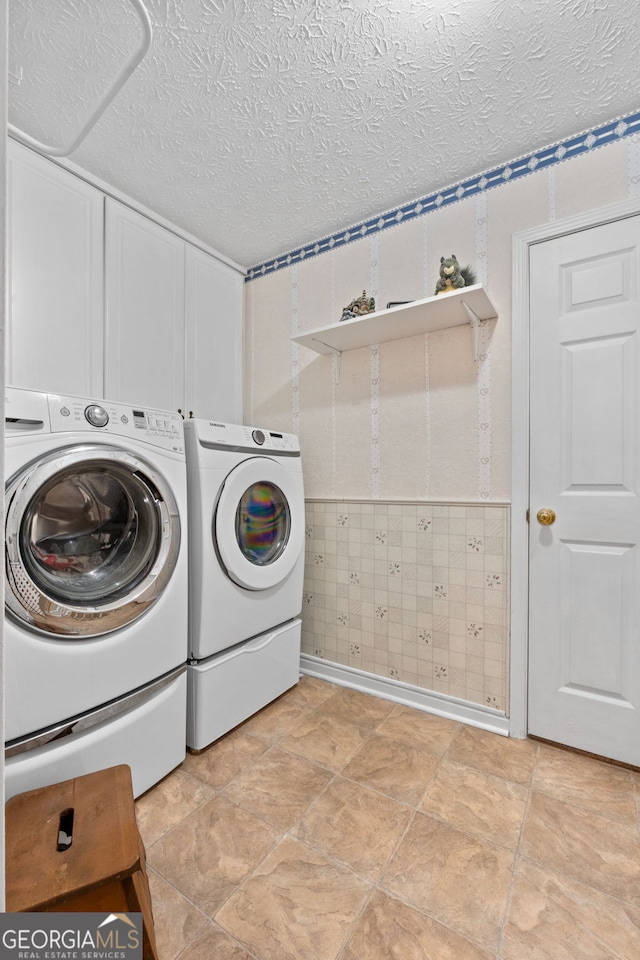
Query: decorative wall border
[[538, 160]]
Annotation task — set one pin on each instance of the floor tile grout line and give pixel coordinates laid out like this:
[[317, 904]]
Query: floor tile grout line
[[287, 833], [243, 946], [571, 878], [215, 925], [355, 923], [194, 938], [149, 846], [245, 880], [467, 832], [278, 839], [377, 886], [290, 831], [416, 908], [377, 791], [177, 889], [333, 861], [551, 868], [243, 883], [479, 837], [517, 857]]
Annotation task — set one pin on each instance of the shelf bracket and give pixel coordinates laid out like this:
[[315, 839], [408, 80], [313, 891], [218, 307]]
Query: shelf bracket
[[336, 355], [475, 322]]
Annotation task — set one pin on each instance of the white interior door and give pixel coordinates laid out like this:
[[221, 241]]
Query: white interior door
[[584, 591]]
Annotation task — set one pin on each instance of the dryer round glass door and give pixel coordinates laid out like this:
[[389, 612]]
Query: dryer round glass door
[[263, 523], [259, 523], [92, 538]]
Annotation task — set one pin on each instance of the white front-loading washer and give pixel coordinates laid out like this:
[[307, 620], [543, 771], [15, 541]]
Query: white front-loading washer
[[246, 569], [96, 592]]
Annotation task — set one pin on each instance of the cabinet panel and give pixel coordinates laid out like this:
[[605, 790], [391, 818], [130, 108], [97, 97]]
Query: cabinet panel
[[214, 298], [144, 344], [55, 264]]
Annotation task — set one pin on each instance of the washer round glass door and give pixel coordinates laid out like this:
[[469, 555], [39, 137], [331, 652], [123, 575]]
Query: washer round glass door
[[92, 538], [259, 523]]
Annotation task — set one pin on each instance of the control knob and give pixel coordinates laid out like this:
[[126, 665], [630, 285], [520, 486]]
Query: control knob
[[258, 436], [96, 415]]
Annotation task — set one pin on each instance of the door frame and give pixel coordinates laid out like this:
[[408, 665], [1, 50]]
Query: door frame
[[519, 546]]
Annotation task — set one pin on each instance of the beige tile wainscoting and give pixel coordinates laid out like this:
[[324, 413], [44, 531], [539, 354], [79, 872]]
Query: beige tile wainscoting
[[415, 591], [334, 825]]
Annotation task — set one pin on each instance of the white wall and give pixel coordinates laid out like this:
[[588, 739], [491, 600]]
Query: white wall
[[414, 420], [426, 438]]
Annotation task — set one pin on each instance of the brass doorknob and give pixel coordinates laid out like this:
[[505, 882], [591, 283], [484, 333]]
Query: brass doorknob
[[546, 516]]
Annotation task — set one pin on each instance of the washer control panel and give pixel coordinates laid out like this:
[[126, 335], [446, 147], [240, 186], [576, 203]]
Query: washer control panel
[[161, 428]]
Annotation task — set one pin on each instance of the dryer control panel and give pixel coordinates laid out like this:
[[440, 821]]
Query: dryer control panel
[[161, 428], [236, 436], [268, 440]]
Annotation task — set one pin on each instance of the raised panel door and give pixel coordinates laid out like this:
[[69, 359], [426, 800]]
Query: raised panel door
[[145, 325], [584, 601], [55, 276], [214, 297]]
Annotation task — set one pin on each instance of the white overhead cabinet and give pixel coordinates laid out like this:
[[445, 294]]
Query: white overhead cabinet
[[55, 278], [144, 323], [105, 302], [213, 323], [173, 321]]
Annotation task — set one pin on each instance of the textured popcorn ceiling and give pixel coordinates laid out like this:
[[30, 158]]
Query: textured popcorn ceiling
[[261, 125]]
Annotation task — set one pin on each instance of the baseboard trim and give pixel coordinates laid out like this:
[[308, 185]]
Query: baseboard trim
[[406, 694]]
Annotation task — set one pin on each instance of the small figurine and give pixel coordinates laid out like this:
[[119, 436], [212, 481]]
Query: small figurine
[[358, 307], [453, 276]]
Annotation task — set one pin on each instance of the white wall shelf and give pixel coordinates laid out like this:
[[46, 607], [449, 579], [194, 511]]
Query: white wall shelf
[[469, 305]]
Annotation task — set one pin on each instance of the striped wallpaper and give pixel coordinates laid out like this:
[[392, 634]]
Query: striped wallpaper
[[414, 421]]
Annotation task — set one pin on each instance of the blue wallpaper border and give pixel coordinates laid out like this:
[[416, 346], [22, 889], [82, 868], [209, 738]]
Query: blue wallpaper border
[[538, 160]]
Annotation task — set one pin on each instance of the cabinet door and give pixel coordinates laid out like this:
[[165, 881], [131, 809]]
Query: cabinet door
[[144, 344], [214, 298], [55, 263]]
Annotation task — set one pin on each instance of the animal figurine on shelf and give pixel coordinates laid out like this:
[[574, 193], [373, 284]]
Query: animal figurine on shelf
[[453, 276], [359, 307]]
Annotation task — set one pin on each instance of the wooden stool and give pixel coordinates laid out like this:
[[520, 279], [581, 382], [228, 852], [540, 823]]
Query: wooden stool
[[102, 868]]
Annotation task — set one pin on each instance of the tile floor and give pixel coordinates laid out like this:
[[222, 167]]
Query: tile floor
[[338, 826]]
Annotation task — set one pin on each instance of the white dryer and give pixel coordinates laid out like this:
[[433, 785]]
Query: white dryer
[[96, 592], [246, 569]]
